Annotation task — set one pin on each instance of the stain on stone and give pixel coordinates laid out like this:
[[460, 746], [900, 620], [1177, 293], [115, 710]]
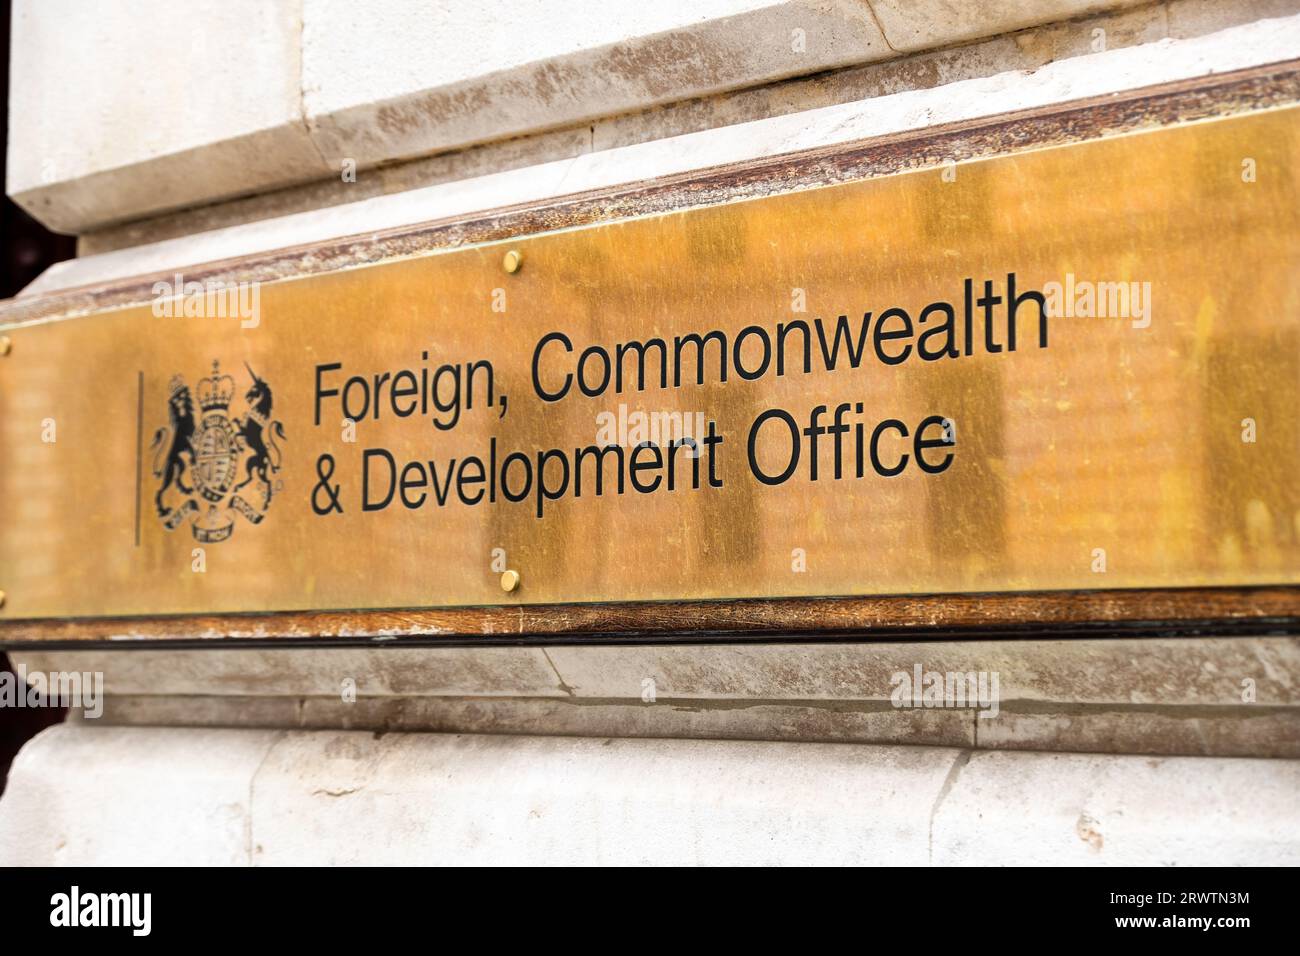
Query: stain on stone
[[1087, 829], [333, 792]]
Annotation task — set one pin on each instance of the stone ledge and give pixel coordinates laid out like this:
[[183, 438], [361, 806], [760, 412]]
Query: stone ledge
[[127, 135], [911, 25], [120, 138], [1129, 671], [1083, 77], [1026, 50], [1243, 731], [1106, 695], [489, 70]]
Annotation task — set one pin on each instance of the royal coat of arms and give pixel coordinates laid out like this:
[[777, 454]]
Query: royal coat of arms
[[219, 455]]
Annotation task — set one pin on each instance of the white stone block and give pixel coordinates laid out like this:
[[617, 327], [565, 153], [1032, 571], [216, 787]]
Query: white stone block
[[1034, 809], [78, 794], [123, 108], [440, 799]]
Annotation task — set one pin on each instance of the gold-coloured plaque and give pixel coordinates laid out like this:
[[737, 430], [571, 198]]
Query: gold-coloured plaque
[[1068, 368]]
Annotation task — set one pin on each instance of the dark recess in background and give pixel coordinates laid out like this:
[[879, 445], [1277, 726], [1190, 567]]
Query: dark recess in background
[[26, 249]]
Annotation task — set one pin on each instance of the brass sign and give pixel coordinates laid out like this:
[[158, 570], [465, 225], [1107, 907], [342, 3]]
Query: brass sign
[[1075, 367]]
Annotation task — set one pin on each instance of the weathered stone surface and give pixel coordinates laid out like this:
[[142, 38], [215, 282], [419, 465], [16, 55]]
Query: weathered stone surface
[[852, 721], [143, 123], [1081, 76], [1154, 672], [1027, 50], [924, 24], [318, 672], [220, 797], [437, 799], [79, 794], [1194, 17], [1211, 696], [1081, 810], [331, 80], [383, 81], [1243, 730], [129, 109]]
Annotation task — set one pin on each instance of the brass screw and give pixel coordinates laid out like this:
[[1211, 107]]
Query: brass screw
[[513, 260], [6, 344], [509, 581]]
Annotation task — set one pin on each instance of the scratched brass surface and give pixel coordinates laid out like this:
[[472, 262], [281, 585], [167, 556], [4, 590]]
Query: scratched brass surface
[[1114, 437]]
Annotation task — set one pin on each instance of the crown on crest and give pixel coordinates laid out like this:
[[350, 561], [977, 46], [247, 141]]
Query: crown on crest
[[215, 392]]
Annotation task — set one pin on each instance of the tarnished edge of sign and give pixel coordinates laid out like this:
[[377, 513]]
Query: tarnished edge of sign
[[1153, 612], [1274, 609], [1147, 108]]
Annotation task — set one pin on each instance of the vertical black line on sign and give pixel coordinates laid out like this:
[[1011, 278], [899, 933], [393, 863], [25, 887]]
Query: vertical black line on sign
[[139, 439]]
